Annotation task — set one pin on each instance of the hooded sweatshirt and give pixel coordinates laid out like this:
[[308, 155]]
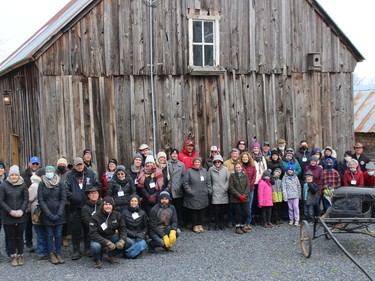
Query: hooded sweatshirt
[[187, 158]]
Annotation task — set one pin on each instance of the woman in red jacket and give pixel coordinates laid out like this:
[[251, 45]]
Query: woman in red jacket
[[353, 176]]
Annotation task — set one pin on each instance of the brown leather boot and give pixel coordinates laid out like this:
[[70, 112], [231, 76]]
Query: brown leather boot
[[239, 230]]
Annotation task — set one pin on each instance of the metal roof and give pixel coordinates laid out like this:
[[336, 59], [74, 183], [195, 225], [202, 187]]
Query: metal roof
[[48, 33], [364, 112], [25, 53]]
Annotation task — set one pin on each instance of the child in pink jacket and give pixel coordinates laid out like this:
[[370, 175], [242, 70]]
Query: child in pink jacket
[[265, 198]]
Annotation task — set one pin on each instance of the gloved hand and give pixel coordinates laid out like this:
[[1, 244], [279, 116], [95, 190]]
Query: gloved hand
[[110, 245], [242, 198], [151, 199], [327, 192], [167, 242], [13, 213], [172, 236], [120, 244], [141, 235]]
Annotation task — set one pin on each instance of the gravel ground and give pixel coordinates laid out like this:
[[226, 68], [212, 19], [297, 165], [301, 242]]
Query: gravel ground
[[262, 254]]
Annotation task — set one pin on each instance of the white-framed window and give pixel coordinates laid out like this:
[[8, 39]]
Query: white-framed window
[[204, 48]]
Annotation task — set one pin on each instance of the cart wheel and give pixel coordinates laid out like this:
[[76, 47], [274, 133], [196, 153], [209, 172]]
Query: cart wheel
[[305, 239]]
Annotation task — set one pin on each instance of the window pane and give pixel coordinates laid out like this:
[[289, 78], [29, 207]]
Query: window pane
[[197, 31], [197, 54], [208, 32], [209, 55]]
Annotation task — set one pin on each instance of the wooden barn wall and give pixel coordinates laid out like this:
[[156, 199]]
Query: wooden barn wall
[[268, 36]]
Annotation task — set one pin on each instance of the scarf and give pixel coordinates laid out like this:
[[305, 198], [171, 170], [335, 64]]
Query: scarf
[[52, 183], [154, 172], [109, 175]]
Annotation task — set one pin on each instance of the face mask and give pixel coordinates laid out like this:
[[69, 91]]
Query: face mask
[[281, 148], [288, 158], [353, 170], [347, 158], [49, 175], [370, 173], [304, 147], [329, 166], [61, 168]]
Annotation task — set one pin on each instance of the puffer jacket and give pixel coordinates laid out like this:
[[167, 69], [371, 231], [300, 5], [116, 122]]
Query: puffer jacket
[[196, 187], [219, 179], [52, 202], [238, 186], [264, 193], [277, 191], [115, 224], [161, 217], [291, 187], [176, 173], [136, 221], [13, 197], [120, 192], [89, 210]]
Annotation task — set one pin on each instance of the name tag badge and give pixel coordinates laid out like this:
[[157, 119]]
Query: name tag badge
[[202, 178], [93, 213], [80, 183], [135, 181], [104, 226], [120, 193], [152, 184], [135, 216], [304, 159], [353, 182]]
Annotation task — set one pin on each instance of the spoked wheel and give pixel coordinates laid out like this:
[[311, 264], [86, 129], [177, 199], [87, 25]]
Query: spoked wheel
[[305, 239]]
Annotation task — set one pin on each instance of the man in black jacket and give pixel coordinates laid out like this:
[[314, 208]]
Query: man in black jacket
[[163, 223], [77, 181], [107, 232]]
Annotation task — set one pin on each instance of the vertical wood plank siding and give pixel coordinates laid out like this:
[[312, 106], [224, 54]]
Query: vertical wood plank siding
[[91, 88]]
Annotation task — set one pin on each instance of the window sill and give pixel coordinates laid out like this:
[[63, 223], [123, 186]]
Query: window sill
[[206, 70]]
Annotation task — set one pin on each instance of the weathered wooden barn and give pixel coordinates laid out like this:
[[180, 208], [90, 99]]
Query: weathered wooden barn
[[223, 70]]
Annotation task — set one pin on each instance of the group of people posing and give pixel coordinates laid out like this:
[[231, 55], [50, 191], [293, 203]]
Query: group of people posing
[[126, 210]]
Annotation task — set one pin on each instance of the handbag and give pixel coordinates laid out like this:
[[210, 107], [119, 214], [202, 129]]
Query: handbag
[[36, 214]]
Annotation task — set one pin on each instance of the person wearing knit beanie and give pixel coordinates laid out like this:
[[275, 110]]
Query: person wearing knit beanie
[[14, 170], [62, 161]]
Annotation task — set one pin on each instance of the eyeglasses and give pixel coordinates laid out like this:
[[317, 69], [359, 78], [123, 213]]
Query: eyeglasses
[[35, 164], [121, 174], [214, 152], [215, 162]]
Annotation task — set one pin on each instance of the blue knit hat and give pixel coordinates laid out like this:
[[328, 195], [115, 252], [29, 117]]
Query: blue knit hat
[[164, 194], [290, 167], [50, 168]]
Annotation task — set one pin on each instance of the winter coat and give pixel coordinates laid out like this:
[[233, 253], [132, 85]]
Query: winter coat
[[310, 193], [147, 179], [26, 175], [104, 181], [317, 172], [230, 165], [303, 157], [291, 187], [238, 186], [13, 197], [88, 210], [185, 157], [264, 193], [52, 202], [272, 165], [260, 167], [251, 173], [76, 193], [176, 174], [161, 217], [133, 174], [136, 221], [121, 191], [357, 176], [219, 183], [363, 159], [277, 191], [369, 181], [115, 225], [196, 188]]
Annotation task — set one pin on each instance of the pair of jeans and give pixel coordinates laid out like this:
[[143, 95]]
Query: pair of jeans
[[97, 249], [54, 238], [135, 248], [41, 240], [240, 213], [250, 213]]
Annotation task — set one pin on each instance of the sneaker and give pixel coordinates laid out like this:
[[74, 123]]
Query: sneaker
[[30, 249], [14, 260], [247, 226], [244, 230], [97, 264], [296, 223], [291, 222], [60, 259], [53, 259], [76, 255]]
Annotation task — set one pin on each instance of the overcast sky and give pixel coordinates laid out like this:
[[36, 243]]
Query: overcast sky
[[355, 19]]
